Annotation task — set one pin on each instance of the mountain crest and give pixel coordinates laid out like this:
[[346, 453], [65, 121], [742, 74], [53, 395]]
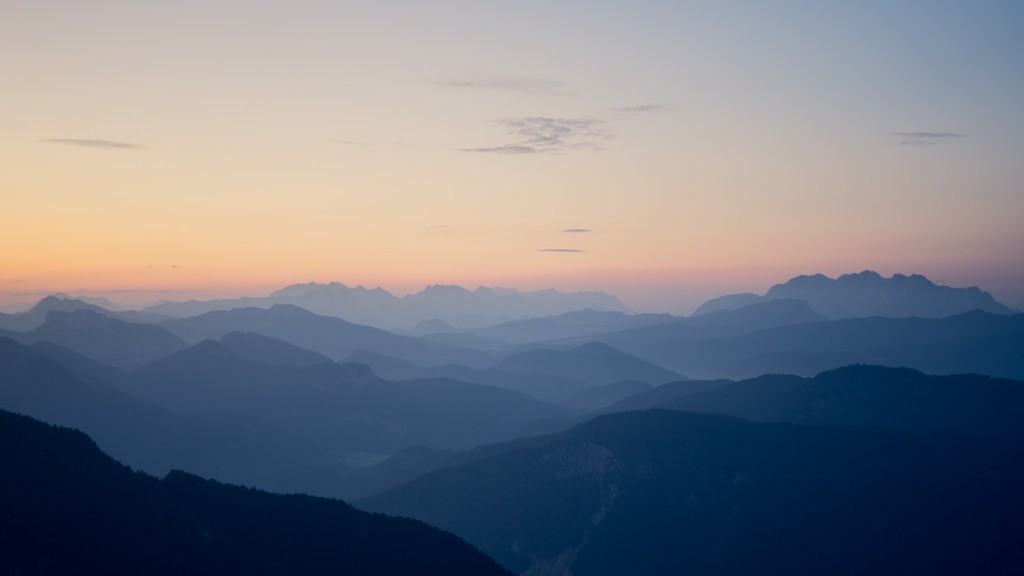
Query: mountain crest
[[868, 293]]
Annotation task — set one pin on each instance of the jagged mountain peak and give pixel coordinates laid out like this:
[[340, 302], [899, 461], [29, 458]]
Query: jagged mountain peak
[[868, 293]]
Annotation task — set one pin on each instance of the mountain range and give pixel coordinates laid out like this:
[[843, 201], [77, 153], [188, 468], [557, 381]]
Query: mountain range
[[451, 305], [102, 337], [868, 294], [978, 342], [273, 425], [568, 443], [326, 335], [856, 395]]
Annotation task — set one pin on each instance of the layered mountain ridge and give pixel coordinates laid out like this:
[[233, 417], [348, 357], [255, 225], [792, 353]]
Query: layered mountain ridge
[[377, 307], [867, 294]]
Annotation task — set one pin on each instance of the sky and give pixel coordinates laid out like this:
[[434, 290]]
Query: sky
[[664, 151]]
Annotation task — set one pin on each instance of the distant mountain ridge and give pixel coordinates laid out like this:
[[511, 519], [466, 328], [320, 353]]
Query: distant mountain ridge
[[377, 307], [856, 395], [328, 335], [36, 316], [102, 337], [595, 363], [868, 294], [978, 342]]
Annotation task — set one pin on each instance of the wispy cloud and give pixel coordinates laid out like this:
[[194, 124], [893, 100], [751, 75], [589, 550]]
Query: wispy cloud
[[90, 143], [641, 109], [524, 84], [538, 135], [565, 250], [577, 230], [926, 138], [507, 149]]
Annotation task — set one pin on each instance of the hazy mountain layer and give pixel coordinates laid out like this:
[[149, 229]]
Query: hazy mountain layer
[[332, 337], [453, 305], [855, 396], [67, 508], [267, 350], [667, 492], [568, 325], [976, 342], [344, 408], [541, 386], [35, 316], [243, 450], [103, 338], [869, 294], [595, 363]]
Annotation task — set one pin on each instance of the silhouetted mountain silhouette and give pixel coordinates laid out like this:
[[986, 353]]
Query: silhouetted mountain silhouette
[[67, 508]]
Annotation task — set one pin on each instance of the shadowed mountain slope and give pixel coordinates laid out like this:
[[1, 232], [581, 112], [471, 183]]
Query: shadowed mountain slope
[[666, 492], [597, 397], [595, 363], [267, 350], [67, 508], [541, 386], [860, 396]]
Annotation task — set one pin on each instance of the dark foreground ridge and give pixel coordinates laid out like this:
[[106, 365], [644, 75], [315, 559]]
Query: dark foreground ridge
[[67, 508]]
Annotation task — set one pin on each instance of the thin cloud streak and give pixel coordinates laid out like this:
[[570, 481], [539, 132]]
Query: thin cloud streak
[[539, 134], [509, 149], [91, 143], [577, 230], [641, 109], [563, 250], [926, 138]]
